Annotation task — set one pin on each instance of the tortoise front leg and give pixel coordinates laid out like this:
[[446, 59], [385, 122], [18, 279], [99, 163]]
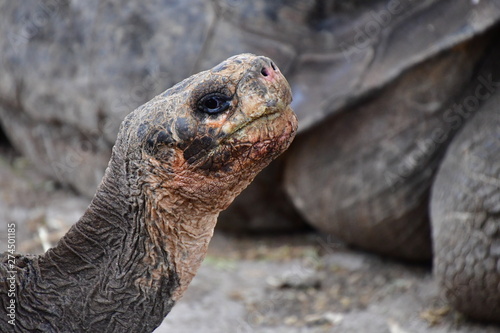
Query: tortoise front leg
[[465, 213]]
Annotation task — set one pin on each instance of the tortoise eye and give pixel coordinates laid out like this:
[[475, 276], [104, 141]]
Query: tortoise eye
[[214, 103]]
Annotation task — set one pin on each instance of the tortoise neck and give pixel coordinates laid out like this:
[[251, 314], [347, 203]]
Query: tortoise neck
[[110, 249], [103, 225]]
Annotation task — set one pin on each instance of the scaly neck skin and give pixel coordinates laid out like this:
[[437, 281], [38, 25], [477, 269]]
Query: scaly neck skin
[[128, 259]]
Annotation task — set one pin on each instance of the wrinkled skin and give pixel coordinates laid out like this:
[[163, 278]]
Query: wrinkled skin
[[466, 222], [465, 207], [174, 167]]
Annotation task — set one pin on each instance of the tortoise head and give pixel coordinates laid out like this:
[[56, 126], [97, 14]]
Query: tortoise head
[[208, 136]]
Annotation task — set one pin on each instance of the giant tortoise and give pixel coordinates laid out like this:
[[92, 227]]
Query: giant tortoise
[[381, 89]]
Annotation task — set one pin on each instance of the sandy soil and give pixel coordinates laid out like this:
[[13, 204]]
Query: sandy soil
[[276, 283]]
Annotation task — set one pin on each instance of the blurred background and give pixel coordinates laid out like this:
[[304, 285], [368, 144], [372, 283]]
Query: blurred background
[[335, 235]]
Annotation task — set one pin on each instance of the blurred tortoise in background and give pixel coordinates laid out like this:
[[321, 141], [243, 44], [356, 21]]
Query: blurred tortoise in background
[[380, 89]]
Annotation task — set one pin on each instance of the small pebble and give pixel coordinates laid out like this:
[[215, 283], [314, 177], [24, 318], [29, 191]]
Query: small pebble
[[327, 318]]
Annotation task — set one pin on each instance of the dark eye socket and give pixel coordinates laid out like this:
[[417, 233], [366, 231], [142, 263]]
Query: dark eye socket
[[214, 103]]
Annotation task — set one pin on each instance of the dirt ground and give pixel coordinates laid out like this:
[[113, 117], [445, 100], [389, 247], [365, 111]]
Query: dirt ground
[[305, 282]]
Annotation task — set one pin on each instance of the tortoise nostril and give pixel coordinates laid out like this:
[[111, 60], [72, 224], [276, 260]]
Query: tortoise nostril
[[273, 66], [264, 71]]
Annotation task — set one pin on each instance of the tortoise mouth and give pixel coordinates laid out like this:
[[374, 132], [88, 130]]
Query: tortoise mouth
[[254, 122], [259, 139], [272, 124]]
